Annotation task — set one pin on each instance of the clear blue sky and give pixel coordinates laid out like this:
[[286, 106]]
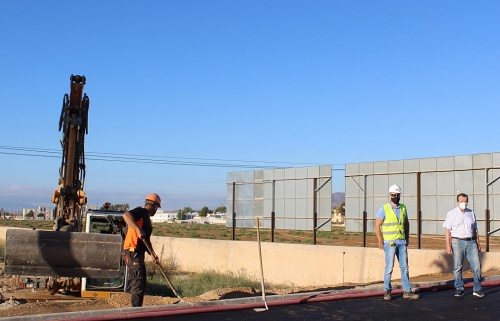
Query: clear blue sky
[[274, 83]]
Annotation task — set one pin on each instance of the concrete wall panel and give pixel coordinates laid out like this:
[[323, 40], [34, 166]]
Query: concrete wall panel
[[396, 166], [428, 183], [380, 167], [428, 164], [411, 165], [366, 168], [482, 161], [291, 189], [352, 169], [410, 184], [313, 171], [445, 183], [445, 163], [463, 162]]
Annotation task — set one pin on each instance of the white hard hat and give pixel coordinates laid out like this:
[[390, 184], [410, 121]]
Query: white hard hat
[[395, 189]]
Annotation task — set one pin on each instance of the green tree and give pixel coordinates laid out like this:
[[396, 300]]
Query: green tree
[[181, 214], [204, 211], [220, 209], [187, 210], [30, 214], [341, 208]]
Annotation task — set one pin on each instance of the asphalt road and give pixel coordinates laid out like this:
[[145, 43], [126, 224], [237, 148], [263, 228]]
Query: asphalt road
[[433, 305]]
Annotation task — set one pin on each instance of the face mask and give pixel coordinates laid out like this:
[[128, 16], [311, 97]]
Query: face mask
[[462, 205], [395, 200]]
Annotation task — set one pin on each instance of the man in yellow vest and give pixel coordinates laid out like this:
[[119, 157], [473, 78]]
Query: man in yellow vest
[[392, 228], [139, 230]]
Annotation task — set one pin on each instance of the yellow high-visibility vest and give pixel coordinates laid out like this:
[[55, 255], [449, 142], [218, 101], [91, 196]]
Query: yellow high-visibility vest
[[392, 229]]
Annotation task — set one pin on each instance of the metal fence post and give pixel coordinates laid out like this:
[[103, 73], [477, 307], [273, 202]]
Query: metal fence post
[[234, 211]]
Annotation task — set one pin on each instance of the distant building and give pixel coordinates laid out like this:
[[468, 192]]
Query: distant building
[[337, 217], [192, 215], [217, 218], [162, 216], [43, 213], [40, 213]]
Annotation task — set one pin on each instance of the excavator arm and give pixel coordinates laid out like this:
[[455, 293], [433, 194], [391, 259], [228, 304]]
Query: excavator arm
[[69, 196]]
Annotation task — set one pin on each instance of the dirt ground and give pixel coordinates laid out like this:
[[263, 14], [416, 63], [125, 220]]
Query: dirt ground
[[22, 303]]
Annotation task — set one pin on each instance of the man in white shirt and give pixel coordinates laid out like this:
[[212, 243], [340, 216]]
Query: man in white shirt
[[462, 240]]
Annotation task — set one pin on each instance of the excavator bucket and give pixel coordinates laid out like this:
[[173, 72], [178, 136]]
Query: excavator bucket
[[66, 254]]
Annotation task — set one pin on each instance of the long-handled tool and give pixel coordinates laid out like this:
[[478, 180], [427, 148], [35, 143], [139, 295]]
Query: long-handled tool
[[162, 271], [261, 271]]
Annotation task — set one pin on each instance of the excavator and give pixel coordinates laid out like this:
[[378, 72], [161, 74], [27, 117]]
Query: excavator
[[84, 247]]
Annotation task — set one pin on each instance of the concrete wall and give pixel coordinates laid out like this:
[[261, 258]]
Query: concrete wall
[[299, 264]]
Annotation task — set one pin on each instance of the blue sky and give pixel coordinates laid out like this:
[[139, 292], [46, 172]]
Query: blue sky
[[266, 83]]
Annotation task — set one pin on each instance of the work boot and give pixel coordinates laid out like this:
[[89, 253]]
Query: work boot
[[410, 296], [387, 295]]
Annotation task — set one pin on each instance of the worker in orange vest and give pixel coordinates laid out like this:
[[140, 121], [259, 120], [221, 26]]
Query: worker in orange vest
[[139, 230]]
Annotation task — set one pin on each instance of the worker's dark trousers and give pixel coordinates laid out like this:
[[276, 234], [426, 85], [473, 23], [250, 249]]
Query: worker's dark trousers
[[136, 276]]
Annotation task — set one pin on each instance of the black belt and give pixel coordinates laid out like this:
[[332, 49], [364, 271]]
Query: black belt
[[464, 239]]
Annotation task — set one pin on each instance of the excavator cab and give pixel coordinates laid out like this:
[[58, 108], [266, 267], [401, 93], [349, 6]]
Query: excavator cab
[[105, 222]]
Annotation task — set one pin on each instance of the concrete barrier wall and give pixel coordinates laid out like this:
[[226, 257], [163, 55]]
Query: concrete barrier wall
[[299, 264], [3, 231]]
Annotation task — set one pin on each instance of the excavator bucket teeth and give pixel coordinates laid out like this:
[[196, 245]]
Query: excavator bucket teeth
[[66, 254]]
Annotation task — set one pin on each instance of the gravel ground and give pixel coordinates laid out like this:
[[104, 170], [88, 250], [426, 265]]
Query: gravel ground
[[47, 304], [11, 308]]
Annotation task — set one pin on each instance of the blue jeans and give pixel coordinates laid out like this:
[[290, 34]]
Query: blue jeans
[[399, 251], [462, 249]]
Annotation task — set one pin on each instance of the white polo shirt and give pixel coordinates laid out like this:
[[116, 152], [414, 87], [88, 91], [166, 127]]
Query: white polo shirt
[[461, 224]]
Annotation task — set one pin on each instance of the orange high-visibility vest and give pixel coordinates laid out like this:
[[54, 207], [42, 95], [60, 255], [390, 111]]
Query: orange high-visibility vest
[[132, 238]]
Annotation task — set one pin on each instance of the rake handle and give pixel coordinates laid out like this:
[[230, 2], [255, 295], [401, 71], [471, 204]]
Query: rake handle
[[150, 249]]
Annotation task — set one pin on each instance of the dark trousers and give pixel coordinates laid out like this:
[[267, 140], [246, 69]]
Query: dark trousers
[[136, 276]]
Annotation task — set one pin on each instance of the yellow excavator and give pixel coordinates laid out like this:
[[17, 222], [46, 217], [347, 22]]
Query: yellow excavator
[[81, 249]]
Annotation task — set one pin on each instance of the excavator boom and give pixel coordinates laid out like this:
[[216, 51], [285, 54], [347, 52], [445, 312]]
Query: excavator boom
[[69, 196]]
